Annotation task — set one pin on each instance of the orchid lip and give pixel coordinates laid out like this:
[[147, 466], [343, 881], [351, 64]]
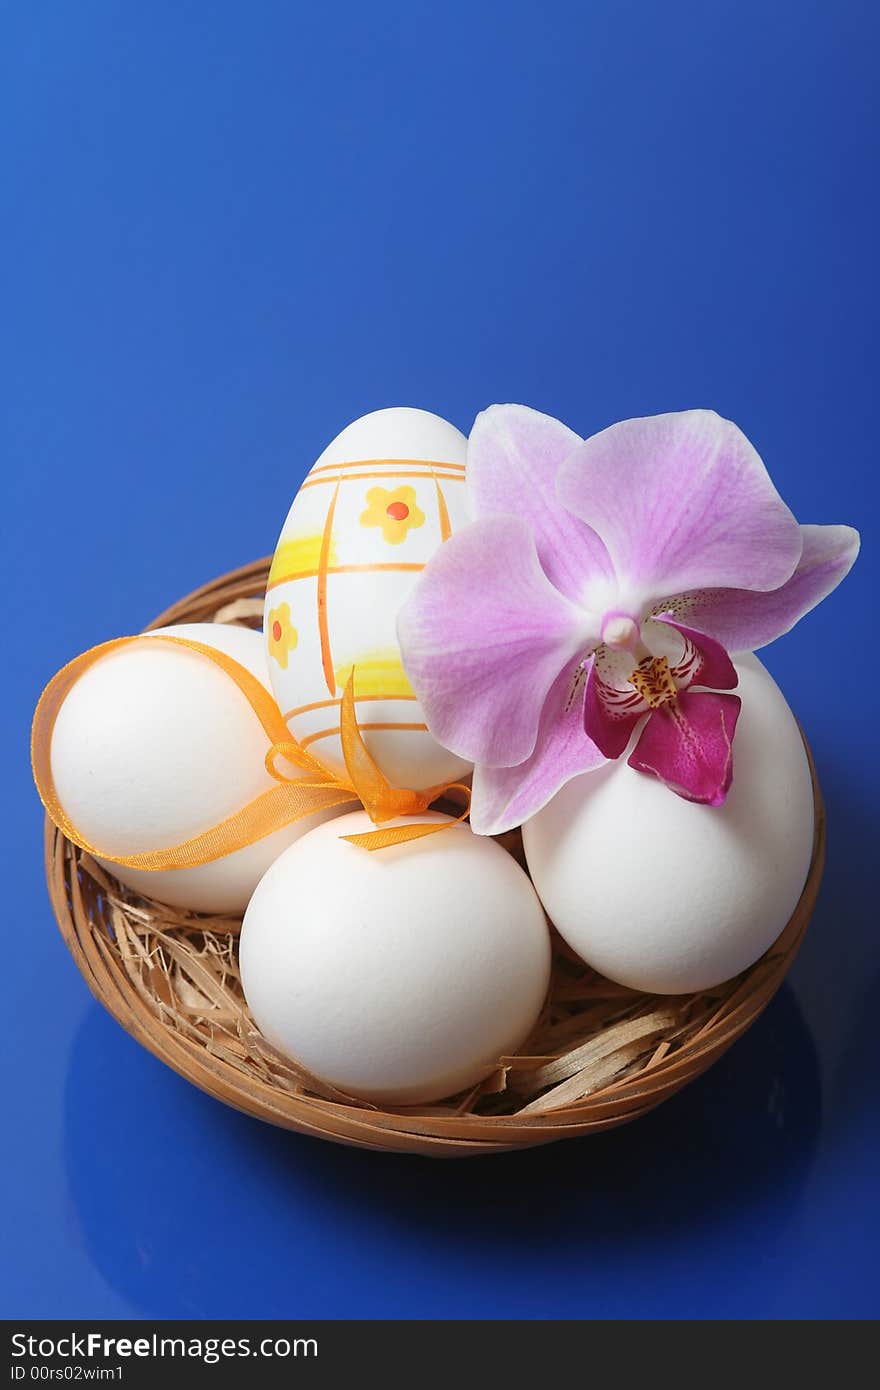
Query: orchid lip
[[655, 682]]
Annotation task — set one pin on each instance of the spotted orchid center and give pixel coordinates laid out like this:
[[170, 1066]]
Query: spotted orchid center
[[654, 681], [398, 511], [620, 631]]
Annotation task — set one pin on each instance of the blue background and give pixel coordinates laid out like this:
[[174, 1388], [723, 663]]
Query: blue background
[[229, 229]]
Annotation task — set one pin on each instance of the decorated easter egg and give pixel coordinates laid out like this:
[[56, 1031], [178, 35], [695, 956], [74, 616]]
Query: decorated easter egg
[[400, 975], [379, 501], [155, 744], [669, 896]]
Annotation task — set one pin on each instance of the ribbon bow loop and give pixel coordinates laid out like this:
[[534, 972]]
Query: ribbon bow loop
[[317, 788]]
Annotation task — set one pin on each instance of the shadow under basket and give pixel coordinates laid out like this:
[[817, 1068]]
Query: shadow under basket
[[600, 1055]]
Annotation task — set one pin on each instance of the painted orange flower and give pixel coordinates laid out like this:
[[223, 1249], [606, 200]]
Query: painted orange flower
[[282, 635], [395, 510]]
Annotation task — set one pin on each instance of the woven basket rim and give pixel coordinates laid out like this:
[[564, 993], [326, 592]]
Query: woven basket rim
[[77, 890]]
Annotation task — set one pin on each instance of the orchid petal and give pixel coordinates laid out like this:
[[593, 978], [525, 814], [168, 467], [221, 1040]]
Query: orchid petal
[[513, 456], [703, 660], [611, 711], [504, 797], [688, 745], [681, 501], [483, 636], [744, 620]]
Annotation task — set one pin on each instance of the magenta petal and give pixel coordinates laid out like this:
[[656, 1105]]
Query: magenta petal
[[688, 745], [744, 620], [483, 637], [513, 457], [681, 502], [704, 662], [610, 713], [506, 796]]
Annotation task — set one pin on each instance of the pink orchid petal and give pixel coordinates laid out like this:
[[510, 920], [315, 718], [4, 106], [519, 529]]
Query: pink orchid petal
[[483, 636], [744, 620], [681, 501], [513, 457], [611, 711], [506, 796], [703, 662], [688, 745]]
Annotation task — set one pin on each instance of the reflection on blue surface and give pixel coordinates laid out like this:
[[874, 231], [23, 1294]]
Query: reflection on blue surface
[[213, 1192]]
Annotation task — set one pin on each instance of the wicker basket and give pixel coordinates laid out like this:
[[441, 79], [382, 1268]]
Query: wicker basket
[[601, 1054]]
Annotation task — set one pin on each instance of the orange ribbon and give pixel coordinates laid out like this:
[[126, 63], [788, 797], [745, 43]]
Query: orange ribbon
[[381, 800], [315, 786]]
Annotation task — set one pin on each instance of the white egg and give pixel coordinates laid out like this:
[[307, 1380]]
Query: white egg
[[154, 745], [667, 896], [369, 515], [400, 975]]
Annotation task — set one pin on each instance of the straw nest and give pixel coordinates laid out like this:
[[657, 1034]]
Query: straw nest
[[600, 1055]]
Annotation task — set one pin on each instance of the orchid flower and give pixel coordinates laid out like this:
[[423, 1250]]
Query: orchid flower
[[603, 580]]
